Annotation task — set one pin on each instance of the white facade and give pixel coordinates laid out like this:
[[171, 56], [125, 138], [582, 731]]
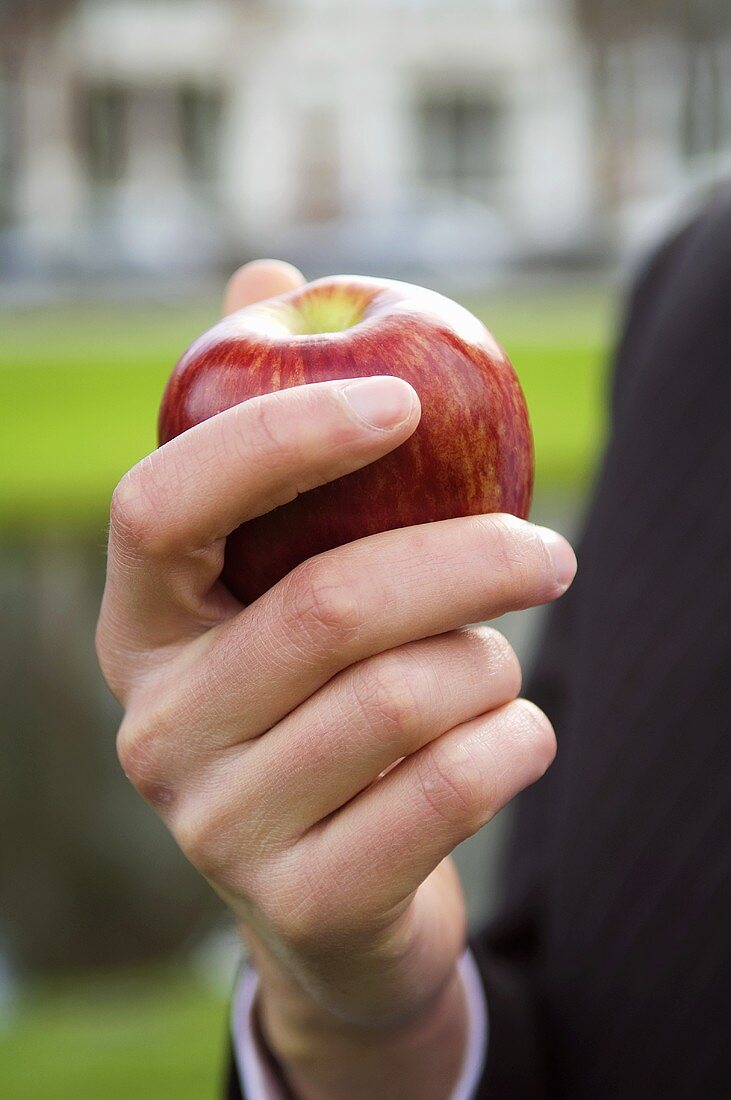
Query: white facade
[[165, 132]]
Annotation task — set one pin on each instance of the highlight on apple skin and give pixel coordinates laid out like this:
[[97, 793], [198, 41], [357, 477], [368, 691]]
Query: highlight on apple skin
[[472, 452]]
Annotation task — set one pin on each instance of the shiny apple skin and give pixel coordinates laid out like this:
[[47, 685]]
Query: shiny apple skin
[[472, 452]]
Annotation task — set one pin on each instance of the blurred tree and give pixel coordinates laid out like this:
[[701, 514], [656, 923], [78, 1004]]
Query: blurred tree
[[88, 876]]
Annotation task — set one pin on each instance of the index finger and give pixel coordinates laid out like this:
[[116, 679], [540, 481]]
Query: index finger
[[172, 512]]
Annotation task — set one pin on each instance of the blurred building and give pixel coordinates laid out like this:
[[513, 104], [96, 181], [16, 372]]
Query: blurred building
[[449, 133]]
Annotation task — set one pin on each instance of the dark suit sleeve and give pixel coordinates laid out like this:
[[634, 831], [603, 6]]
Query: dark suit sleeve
[[612, 651]]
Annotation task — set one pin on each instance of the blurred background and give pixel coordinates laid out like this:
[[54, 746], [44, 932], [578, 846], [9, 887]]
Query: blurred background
[[520, 155]]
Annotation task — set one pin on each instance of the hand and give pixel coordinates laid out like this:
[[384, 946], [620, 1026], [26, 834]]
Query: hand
[[318, 754]]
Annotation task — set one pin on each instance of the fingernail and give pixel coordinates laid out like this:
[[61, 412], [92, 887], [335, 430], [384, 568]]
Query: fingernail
[[562, 556], [384, 402]]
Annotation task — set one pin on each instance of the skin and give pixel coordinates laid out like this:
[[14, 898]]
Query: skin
[[261, 735]]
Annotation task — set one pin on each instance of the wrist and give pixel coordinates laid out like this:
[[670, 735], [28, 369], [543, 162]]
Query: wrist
[[324, 1057], [293, 1034]]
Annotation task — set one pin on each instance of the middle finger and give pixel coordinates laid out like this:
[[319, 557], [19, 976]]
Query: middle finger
[[365, 598]]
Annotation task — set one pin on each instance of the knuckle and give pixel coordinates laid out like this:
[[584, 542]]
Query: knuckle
[[129, 511], [143, 759], [511, 555], [135, 515], [391, 695], [220, 828], [254, 433], [322, 604], [258, 429], [448, 786], [202, 830], [193, 832]]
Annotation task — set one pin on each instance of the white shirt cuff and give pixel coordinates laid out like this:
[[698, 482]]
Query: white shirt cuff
[[259, 1082]]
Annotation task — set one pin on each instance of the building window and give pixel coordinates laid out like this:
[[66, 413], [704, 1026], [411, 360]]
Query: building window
[[105, 132], [460, 143], [200, 125]]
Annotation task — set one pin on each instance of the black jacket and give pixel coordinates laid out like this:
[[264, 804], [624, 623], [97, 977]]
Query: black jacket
[[606, 976]]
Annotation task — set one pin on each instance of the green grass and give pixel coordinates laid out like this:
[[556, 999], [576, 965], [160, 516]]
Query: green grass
[[156, 1035], [79, 390]]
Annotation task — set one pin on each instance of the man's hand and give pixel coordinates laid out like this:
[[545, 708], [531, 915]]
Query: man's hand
[[318, 754]]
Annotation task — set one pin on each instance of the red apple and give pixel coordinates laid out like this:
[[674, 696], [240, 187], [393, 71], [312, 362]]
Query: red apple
[[472, 452]]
